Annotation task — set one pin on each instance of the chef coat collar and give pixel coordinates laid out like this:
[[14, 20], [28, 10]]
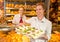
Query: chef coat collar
[[43, 20]]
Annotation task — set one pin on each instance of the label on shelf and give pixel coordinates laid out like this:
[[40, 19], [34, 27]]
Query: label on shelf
[[9, 20], [9, 14]]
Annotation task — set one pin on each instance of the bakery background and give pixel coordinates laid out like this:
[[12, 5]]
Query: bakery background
[[9, 8]]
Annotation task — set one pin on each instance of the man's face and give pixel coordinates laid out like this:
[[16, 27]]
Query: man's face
[[39, 11], [21, 10]]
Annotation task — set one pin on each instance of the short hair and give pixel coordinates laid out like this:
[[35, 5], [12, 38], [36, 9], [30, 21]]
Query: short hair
[[42, 4], [21, 7]]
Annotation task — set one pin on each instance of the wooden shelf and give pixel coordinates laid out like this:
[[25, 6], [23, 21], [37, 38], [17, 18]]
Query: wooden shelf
[[10, 14], [12, 8], [29, 15]]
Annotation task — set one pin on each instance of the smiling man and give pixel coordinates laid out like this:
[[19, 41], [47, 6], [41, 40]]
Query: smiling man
[[40, 22]]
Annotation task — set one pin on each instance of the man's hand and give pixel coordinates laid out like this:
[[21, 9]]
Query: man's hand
[[44, 36], [20, 24], [26, 24]]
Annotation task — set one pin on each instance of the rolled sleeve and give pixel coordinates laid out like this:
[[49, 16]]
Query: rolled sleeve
[[29, 20]]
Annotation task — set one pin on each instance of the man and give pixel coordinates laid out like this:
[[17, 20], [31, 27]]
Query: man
[[19, 18], [40, 22]]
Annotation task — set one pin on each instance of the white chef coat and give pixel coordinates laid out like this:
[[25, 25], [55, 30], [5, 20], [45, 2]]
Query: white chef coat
[[44, 25], [16, 19]]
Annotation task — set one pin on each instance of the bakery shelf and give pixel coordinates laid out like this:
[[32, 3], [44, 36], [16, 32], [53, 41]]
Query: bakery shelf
[[12, 8], [30, 15], [9, 20], [10, 14]]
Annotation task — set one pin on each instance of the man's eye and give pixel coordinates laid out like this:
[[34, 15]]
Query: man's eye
[[39, 9]]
